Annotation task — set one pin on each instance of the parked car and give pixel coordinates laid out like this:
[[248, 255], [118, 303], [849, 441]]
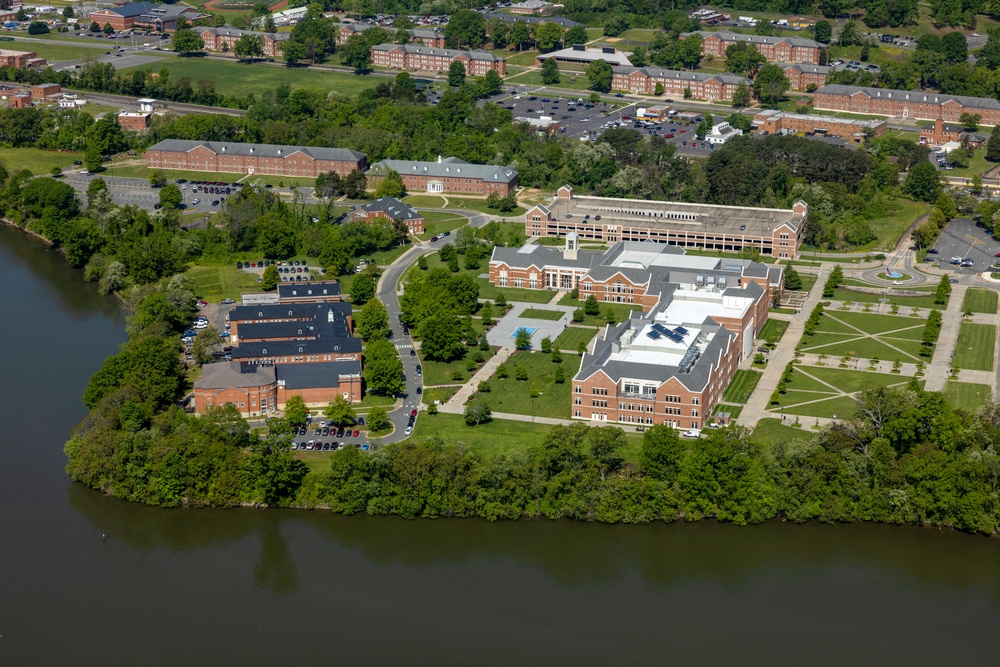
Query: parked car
[[408, 431], [227, 301]]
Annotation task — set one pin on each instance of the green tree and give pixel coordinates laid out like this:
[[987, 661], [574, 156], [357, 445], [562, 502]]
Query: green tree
[[560, 375], [456, 73], [441, 339], [520, 373], [295, 410], [390, 185], [465, 28], [606, 444], [923, 182], [970, 121], [522, 339], [171, 197], [378, 420], [157, 179], [661, 452], [340, 412], [270, 279], [362, 289], [94, 27], [38, 28], [92, 160], [355, 53], [822, 32], [187, 41], [955, 47], [943, 291], [590, 306], [599, 74], [793, 281], [490, 84], [373, 321], [383, 368], [108, 30], [548, 35], [744, 59], [771, 84], [546, 345], [249, 46], [993, 145], [576, 35], [658, 89], [204, 344], [833, 281], [477, 412]]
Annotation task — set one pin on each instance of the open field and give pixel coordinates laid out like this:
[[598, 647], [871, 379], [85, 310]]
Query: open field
[[743, 384], [621, 310], [214, 283], [975, 347], [819, 391], [773, 432], [39, 161], [866, 335], [919, 300], [842, 406], [511, 395], [234, 78], [967, 396], [570, 80], [571, 338], [979, 300], [542, 314], [61, 51], [440, 372]]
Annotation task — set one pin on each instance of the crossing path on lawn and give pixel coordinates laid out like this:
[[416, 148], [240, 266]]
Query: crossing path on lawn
[[756, 407], [861, 335]]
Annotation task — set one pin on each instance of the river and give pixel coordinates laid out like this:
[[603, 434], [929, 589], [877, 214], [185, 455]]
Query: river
[[88, 579]]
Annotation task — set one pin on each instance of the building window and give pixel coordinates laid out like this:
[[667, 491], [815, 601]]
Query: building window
[[578, 389]]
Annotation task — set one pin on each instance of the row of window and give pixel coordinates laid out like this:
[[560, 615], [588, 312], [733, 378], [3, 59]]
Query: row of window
[[632, 419]]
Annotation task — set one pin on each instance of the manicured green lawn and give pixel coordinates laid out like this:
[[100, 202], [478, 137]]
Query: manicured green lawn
[[424, 201], [802, 380], [733, 410], [621, 310], [542, 314], [39, 161], [919, 300], [773, 432], [511, 395], [872, 348], [851, 381], [743, 384], [978, 300], [967, 395], [840, 407], [440, 372], [489, 291], [823, 338], [571, 80], [773, 330], [436, 222], [235, 78], [214, 283], [371, 401], [829, 322], [571, 338], [974, 349], [471, 204], [873, 323], [60, 51]]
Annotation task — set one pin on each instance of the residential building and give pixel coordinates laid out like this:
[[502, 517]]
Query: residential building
[[941, 133], [802, 75], [393, 209], [226, 156], [416, 58], [775, 232], [448, 175], [633, 272], [671, 365], [533, 7], [18, 59], [771, 121], [298, 351], [224, 39], [578, 54], [905, 103], [721, 133], [677, 83], [162, 18], [423, 35], [775, 49]]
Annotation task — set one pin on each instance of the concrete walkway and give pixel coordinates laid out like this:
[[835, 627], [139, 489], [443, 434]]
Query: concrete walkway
[[937, 372], [456, 404], [756, 407]]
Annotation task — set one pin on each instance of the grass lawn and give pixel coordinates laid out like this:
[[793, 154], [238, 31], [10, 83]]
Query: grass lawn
[[743, 384], [773, 330], [851, 381], [890, 228], [214, 283], [621, 310], [974, 349], [967, 396], [571, 80], [510, 395], [733, 410], [977, 165], [235, 78], [841, 406], [499, 435], [571, 338], [59, 51], [808, 281], [542, 314], [372, 401], [919, 300], [773, 432], [469, 204], [800, 381], [525, 59], [39, 161], [872, 323], [424, 201], [490, 291], [440, 394], [436, 222], [881, 54], [871, 348], [979, 300], [440, 372]]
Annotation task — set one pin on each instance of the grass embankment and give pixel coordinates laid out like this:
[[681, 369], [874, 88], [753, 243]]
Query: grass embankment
[[573, 336], [214, 283]]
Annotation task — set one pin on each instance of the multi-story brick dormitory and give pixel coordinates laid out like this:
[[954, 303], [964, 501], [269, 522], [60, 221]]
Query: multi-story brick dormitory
[[671, 365], [712, 87], [775, 49], [268, 159], [775, 232], [224, 39], [802, 75], [284, 321], [393, 209], [259, 390], [417, 58], [905, 103], [423, 35], [634, 272], [447, 175], [150, 15]]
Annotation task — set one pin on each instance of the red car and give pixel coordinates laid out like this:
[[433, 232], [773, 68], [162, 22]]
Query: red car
[[202, 304], [413, 413], [356, 433]]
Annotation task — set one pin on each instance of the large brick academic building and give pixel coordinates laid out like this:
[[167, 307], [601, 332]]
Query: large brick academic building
[[417, 58], [775, 49], [268, 159], [447, 175], [224, 39], [711, 87], [905, 103]]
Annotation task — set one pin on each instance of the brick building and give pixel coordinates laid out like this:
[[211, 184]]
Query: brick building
[[224, 39], [775, 232], [533, 7], [272, 159], [447, 175], [672, 365], [162, 18], [775, 49], [30, 59], [941, 133], [319, 384], [712, 87], [423, 35], [136, 121], [42, 91], [802, 75], [290, 321], [905, 103], [579, 54], [856, 131], [19, 101], [416, 58], [634, 272], [315, 292], [393, 209]]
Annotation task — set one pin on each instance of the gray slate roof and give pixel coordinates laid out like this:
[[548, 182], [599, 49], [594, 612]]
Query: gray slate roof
[[304, 330], [224, 374], [273, 311], [727, 36], [393, 208], [510, 18], [289, 348], [660, 73], [806, 67], [229, 31], [326, 288], [542, 256], [419, 49], [317, 375], [910, 95], [258, 150], [447, 168]]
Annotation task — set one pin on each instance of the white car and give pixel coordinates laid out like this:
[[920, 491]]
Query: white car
[[693, 433], [408, 431], [195, 202], [200, 325], [896, 282]]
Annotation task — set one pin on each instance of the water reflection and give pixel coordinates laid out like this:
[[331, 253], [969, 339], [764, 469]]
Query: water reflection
[[276, 571]]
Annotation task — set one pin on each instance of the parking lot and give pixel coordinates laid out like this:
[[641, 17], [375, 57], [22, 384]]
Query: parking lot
[[963, 239]]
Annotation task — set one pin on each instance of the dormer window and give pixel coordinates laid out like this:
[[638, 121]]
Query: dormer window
[[263, 351]]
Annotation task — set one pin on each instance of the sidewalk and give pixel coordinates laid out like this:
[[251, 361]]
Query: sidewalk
[[937, 371], [456, 404]]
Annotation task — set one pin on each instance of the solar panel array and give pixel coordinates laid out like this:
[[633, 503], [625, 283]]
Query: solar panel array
[[653, 334]]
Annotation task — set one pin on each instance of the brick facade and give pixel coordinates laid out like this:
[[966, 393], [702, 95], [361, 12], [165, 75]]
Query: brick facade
[[137, 122], [298, 161], [19, 59], [448, 175], [712, 87], [802, 75], [775, 49], [775, 122], [905, 103], [426, 59], [224, 39]]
